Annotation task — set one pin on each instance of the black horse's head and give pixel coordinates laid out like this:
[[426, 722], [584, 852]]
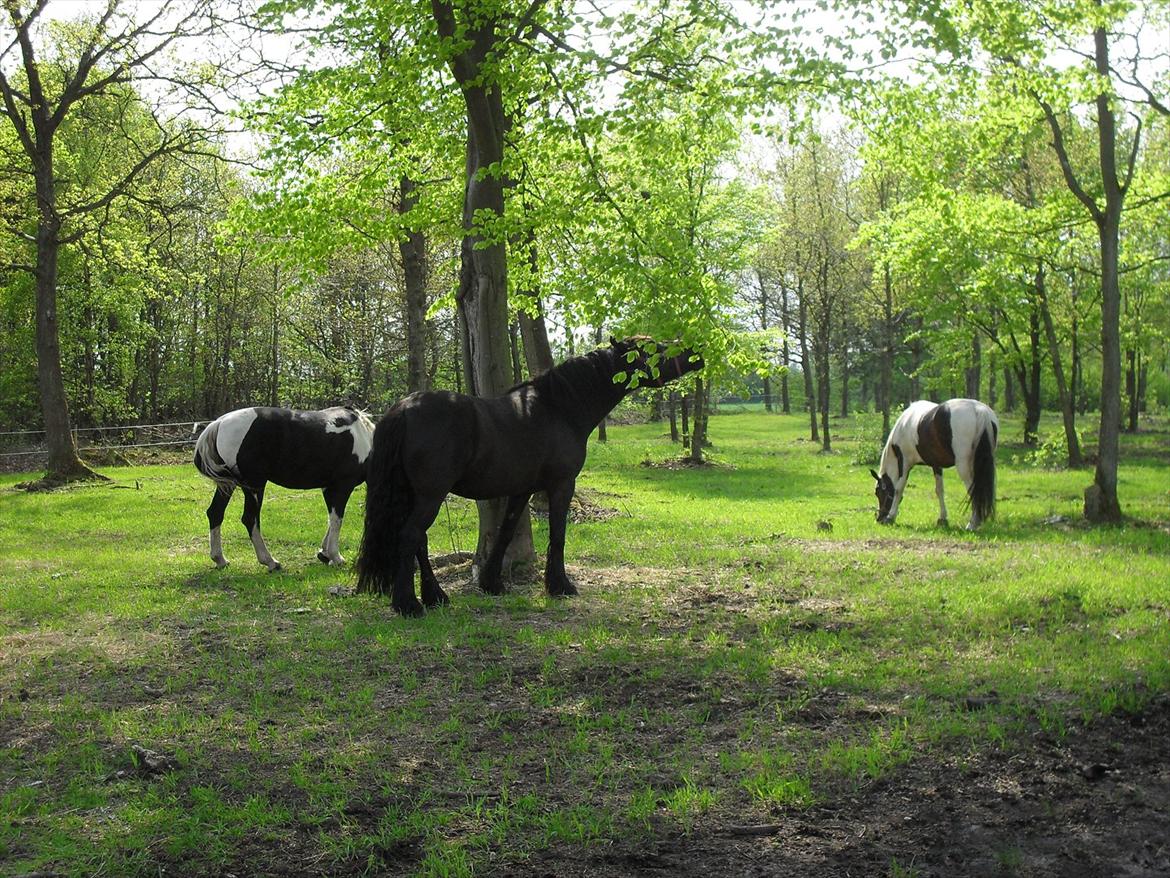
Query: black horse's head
[[648, 359], [885, 494]]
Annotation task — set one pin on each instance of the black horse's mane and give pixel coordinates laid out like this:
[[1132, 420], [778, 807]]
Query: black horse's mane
[[576, 381]]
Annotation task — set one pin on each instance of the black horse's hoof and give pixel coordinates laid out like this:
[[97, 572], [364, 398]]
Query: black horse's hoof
[[435, 597], [412, 610], [562, 589], [492, 586]]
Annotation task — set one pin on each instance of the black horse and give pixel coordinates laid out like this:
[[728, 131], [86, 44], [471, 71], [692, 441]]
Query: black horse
[[297, 449], [530, 439]]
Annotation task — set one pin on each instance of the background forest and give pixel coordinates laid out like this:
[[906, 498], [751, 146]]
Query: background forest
[[846, 208]]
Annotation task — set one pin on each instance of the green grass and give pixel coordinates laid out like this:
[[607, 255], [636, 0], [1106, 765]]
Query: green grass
[[727, 659]]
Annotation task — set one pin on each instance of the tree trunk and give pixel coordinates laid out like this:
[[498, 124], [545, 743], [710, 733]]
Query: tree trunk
[[845, 382], [785, 352], [482, 297], [1131, 394], [699, 433], [412, 247], [1101, 501], [887, 345], [1067, 411], [672, 410], [973, 372], [537, 350], [823, 392], [806, 366]]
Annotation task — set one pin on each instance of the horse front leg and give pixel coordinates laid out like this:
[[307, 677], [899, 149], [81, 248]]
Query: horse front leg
[[215, 511], [253, 501], [556, 581], [432, 593], [938, 492], [335, 501], [489, 577]]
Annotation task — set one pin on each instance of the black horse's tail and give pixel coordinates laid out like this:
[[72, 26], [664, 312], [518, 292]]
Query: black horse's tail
[[388, 501], [982, 492]]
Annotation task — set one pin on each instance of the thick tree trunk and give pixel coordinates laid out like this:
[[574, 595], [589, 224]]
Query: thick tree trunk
[[482, 297], [1101, 501], [537, 350], [412, 247], [699, 433]]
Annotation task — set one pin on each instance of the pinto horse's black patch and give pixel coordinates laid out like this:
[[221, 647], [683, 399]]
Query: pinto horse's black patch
[[530, 439]]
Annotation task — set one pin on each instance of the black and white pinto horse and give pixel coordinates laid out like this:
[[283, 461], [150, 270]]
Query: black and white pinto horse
[[530, 439], [249, 448], [962, 433]]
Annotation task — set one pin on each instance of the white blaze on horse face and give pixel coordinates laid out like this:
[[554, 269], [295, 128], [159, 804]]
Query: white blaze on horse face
[[233, 427]]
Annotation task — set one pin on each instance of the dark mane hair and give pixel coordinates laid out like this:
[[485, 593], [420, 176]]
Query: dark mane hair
[[578, 380]]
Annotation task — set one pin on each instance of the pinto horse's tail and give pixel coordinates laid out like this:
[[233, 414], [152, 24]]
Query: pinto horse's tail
[[983, 482], [388, 501]]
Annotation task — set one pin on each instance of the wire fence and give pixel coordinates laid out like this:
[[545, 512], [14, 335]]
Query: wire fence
[[26, 450]]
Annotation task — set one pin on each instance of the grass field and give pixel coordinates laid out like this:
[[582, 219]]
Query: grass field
[[748, 648]]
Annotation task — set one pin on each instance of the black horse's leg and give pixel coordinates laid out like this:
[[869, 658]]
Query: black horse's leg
[[489, 576], [335, 500], [432, 593], [253, 500], [219, 502], [556, 581], [411, 539]]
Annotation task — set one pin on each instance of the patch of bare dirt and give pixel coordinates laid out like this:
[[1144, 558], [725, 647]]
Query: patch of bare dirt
[[1095, 803]]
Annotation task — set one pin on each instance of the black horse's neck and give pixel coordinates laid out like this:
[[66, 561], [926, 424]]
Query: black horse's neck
[[583, 388]]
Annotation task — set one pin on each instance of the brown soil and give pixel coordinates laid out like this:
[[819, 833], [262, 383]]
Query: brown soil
[[1096, 803]]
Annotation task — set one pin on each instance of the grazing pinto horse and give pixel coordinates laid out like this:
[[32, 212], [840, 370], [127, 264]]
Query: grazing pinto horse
[[530, 439], [251, 447], [959, 432]]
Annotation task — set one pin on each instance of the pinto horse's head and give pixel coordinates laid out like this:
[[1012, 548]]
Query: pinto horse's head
[[885, 494], [649, 359]]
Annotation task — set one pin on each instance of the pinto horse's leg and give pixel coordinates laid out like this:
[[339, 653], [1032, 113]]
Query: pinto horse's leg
[[253, 500], [219, 502], [335, 501], [938, 492], [556, 581], [489, 577], [432, 593], [412, 539]]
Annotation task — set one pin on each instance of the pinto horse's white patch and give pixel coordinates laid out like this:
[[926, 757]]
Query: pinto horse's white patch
[[233, 427], [361, 428]]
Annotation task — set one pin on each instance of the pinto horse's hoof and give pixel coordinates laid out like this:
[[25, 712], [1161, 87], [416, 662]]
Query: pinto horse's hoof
[[323, 558], [942, 522]]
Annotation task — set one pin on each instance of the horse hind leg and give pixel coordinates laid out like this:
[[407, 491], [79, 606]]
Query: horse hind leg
[[253, 501], [938, 492], [215, 511], [335, 502], [966, 470], [411, 542]]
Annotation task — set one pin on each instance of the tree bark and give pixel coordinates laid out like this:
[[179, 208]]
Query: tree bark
[[1067, 411], [699, 420], [806, 363], [482, 296], [412, 247]]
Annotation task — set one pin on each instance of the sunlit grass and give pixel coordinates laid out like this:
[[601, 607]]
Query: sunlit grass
[[747, 640]]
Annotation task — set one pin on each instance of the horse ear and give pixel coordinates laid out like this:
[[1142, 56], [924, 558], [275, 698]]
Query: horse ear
[[875, 475], [613, 342]]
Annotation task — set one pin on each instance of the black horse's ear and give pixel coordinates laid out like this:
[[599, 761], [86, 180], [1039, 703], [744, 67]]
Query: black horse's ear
[[875, 476], [613, 342]]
